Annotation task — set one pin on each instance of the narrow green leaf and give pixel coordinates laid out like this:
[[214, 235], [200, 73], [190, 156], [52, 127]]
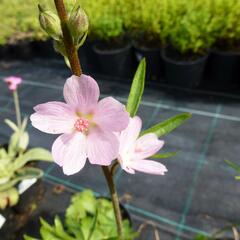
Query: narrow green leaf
[[168, 125], [24, 124], [34, 154], [22, 174], [137, 89], [93, 227], [165, 155], [11, 124], [29, 238], [233, 165]]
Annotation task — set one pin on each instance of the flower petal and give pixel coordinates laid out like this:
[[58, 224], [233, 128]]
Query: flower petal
[[148, 166], [111, 115], [102, 147], [147, 145], [53, 117], [69, 152], [82, 93], [124, 165], [129, 135]]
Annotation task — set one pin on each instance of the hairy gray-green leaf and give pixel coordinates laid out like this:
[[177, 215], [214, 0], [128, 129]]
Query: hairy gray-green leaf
[[22, 174], [168, 125], [33, 154], [137, 89]]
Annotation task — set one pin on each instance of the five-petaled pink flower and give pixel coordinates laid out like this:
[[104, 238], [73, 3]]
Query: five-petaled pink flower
[[87, 126], [133, 151], [13, 82]]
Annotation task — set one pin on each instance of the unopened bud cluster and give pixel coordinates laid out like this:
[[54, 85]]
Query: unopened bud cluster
[[78, 26]]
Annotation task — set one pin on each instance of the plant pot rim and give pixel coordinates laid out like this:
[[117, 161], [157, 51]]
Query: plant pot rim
[[183, 62], [111, 51], [224, 53], [144, 48]]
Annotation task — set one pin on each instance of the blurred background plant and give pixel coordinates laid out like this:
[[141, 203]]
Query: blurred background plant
[[106, 21], [234, 166], [225, 17], [14, 167], [188, 25], [87, 217], [192, 31]]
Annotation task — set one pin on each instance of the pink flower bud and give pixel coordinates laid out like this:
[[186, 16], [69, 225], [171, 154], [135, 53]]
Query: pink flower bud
[[13, 82]]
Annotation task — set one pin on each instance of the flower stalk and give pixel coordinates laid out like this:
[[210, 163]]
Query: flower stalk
[[76, 69], [71, 50], [17, 108], [115, 199]]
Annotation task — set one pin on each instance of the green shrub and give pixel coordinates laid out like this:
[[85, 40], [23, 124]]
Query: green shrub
[[142, 19], [226, 17], [106, 22], [19, 21], [192, 29]]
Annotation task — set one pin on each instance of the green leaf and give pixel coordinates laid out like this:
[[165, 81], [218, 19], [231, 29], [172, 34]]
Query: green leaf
[[233, 165], [23, 141], [165, 155], [9, 197], [137, 89], [13, 144], [34, 154], [22, 174], [24, 124], [11, 124], [94, 223], [167, 126], [29, 238]]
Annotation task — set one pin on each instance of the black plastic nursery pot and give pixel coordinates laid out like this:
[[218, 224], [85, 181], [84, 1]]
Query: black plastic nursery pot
[[18, 216], [155, 65], [88, 57], [184, 73], [115, 62], [224, 68]]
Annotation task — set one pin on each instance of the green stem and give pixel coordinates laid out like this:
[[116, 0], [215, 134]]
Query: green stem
[[115, 200], [67, 39], [17, 108]]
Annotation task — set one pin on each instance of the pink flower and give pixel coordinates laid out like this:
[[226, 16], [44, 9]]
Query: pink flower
[[133, 151], [13, 82], [86, 125]]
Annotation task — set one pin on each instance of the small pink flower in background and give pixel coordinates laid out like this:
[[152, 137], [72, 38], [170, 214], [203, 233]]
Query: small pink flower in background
[[133, 151], [13, 82], [86, 125]]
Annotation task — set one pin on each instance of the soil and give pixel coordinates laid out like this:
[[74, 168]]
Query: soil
[[184, 57], [18, 216], [227, 46], [112, 44]]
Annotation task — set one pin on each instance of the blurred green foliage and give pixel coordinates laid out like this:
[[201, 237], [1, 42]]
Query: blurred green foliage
[[188, 25], [86, 218]]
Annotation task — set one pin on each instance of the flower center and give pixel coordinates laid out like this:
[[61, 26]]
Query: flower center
[[81, 125]]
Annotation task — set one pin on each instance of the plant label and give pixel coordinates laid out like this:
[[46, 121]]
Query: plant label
[[26, 184], [2, 220]]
